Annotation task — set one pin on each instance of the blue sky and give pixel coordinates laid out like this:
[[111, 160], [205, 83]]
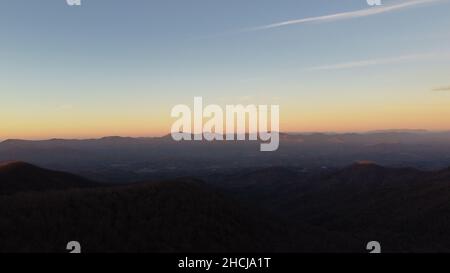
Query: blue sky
[[111, 63]]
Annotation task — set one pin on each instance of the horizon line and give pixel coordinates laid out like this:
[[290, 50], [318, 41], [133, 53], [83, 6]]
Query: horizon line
[[280, 132]]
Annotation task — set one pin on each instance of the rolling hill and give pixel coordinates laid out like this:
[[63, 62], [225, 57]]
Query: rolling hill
[[406, 209], [42, 210], [275, 209], [19, 176]]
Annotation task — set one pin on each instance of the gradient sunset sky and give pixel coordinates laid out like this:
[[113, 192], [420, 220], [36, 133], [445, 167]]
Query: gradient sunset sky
[[117, 67]]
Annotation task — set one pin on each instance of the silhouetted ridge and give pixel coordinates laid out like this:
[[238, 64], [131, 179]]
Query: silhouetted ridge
[[17, 176], [11, 166]]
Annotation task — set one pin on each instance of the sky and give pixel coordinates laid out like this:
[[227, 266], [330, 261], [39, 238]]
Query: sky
[[116, 67]]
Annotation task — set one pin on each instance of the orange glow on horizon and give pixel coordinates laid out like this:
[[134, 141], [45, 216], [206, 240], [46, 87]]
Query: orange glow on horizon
[[433, 115]]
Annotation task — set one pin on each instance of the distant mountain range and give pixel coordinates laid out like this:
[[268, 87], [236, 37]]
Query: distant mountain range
[[275, 209], [124, 159], [402, 135]]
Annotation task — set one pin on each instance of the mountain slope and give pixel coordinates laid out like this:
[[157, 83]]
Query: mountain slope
[[268, 210], [51, 208], [20, 176], [172, 216], [405, 209]]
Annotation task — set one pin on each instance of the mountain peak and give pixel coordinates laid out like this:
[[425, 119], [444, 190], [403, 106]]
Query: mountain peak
[[18, 176], [14, 165]]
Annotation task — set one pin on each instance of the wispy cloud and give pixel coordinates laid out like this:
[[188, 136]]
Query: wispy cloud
[[442, 88], [381, 61], [348, 15]]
